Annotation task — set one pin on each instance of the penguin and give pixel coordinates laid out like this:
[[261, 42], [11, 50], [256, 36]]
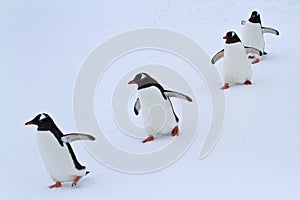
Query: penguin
[[253, 34], [151, 94], [236, 66], [57, 152]]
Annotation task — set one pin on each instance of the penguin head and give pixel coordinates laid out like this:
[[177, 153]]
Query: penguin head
[[255, 17], [43, 121], [143, 79], [231, 37]]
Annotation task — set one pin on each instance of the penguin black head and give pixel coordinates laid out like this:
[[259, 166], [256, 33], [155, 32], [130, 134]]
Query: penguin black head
[[143, 80], [255, 17], [231, 37], [43, 121]]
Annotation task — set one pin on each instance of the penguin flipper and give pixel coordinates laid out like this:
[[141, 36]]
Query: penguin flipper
[[137, 106], [179, 95], [253, 50], [218, 55], [76, 136], [270, 30]]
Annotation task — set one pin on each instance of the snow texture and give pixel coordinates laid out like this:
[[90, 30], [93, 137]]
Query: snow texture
[[43, 45]]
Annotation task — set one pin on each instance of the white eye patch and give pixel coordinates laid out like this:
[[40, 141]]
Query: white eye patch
[[143, 76], [42, 117]]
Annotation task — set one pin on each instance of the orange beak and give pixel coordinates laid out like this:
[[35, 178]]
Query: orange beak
[[29, 123], [132, 82]]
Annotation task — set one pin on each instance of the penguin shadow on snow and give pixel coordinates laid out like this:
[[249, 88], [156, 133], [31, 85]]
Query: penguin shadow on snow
[[156, 108], [57, 153]]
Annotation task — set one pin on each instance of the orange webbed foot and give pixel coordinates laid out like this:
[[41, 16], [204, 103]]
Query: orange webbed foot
[[148, 139], [256, 61], [75, 181], [55, 185], [248, 82], [175, 131], [226, 86]]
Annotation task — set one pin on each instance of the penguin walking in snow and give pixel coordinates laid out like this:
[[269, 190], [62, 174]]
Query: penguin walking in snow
[[253, 34], [56, 150], [156, 107], [236, 66]]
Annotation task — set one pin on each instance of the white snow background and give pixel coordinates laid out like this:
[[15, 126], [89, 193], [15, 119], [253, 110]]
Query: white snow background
[[44, 43]]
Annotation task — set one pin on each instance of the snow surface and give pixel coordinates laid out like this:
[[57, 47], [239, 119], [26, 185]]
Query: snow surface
[[44, 43]]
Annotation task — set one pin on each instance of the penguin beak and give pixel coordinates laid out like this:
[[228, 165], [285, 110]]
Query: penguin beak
[[225, 37], [132, 82], [29, 123]]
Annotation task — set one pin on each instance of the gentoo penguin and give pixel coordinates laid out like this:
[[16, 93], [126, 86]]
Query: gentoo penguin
[[58, 155], [151, 96], [236, 66], [253, 34]]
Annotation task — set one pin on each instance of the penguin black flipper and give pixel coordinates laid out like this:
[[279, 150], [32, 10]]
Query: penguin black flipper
[[76, 136], [253, 50], [137, 106], [176, 118], [218, 55], [75, 161], [269, 30], [179, 95]]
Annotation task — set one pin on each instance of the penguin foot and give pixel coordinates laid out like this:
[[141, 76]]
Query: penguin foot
[[55, 185], [226, 86], [148, 139], [175, 131], [251, 57], [75, 181], [247, 82], [256, 61]]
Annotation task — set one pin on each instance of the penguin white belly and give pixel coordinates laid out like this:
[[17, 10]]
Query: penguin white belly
[[237, 68], [253, 36], [57, 159], [157, 112]]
